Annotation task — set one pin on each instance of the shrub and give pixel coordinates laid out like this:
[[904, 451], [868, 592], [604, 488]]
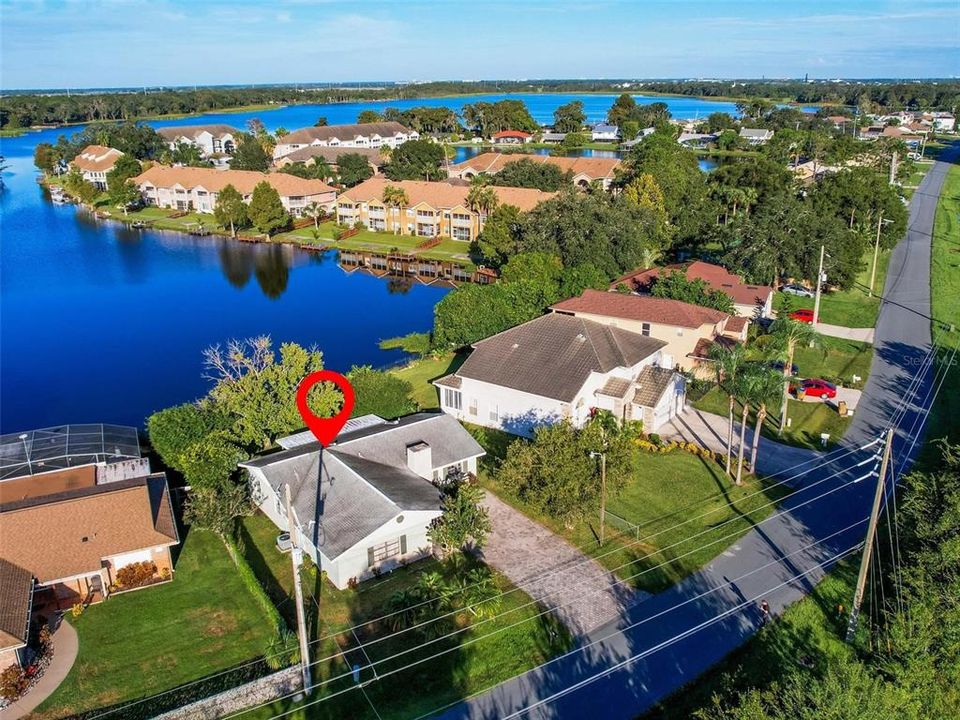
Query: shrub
[[655, 439], [13, 683], [256, 589], [136, 574], [352, 583], [77, 610]]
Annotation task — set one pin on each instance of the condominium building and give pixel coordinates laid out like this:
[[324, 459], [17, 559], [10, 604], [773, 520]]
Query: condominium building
[[364, 135], [192, 188], [428, 209]]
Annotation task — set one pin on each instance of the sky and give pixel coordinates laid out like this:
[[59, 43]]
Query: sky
[[122, 43]]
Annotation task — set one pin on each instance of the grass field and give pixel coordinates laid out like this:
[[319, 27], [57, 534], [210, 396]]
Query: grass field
[[945, 289], [852, 307], [420, 373], [478, 657], [141, 643], [670, 499], [811, 629]]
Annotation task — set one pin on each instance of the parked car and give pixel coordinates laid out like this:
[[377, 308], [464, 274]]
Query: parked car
[[283, 542], [778, 365], [802, 315], [798, 290], [815, 387]]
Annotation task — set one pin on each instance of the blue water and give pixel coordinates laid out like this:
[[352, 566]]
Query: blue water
[[103, 324]]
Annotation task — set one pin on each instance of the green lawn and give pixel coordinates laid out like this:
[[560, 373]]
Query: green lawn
[[945, 289], [809, 629], [852, 307], [372, 241], [836, 360], [420, 373], [665, 490], [143, 642], [475, 659]]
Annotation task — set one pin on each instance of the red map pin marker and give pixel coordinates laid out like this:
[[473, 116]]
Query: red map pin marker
[[325, 429]]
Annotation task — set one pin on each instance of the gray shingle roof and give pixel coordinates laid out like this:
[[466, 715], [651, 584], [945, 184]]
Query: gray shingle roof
[[652, 383], [570, 347], [615, 387], [362, 481]]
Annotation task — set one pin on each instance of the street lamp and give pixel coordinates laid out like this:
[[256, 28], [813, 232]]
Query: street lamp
[[603, 489]]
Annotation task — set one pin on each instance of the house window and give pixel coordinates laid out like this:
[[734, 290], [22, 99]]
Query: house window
[[473, 406], [461, 233], [384, 551], [452, 399], [645, 329], [494, 414]]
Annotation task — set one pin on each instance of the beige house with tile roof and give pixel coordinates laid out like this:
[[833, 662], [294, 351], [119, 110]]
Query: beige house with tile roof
[[583, 170], [433, 209], [94, 162], [185, 188], [687, 330], [213, 140]]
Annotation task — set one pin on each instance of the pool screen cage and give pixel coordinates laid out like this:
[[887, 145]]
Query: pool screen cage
[[65, 446]]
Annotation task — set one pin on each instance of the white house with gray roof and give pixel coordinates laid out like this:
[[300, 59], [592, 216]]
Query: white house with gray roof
[[561, 367], [364, 504]]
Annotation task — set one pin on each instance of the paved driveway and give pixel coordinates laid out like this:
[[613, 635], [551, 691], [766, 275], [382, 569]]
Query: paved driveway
[[846, 333], [552, 571]]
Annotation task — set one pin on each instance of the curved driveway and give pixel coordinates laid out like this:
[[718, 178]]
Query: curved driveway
[[715, 610]]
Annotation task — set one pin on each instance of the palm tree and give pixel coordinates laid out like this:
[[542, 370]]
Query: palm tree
[[727, 364], [315, 211], [787, 335], [482, 199], [765, 385], [395, 197], [743, 388]]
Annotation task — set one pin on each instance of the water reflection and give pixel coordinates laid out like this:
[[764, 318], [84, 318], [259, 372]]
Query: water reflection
[[236, 263], [272, 268]]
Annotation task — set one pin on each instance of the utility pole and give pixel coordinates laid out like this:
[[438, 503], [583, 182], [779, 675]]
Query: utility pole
[[868, 543], [893, 166], [876, 252], [816, 302], [296, 557], [603, 492]]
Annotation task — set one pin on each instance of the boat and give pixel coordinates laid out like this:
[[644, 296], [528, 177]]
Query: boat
[[139, 225], [58, 196]]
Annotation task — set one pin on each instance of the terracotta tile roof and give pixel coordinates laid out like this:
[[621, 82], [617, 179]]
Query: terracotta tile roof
[[642, 308], [715, 276], [96, 158], [441, 194], [192, 131], [652, 383], [492, 163], [520, 134], [211, 180], [701, 350], [330, 154], [69, 534], [736, 323], [572, 348], [305, 136], [16, 591]]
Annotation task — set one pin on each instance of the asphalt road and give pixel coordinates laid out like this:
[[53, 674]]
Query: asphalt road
[[667, 641]]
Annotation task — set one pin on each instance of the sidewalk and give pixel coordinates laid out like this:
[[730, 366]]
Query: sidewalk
[[65, 647]]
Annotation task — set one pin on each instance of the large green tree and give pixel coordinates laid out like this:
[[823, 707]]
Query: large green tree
[[416, 160], [529, 174], [487, 118], [230, 210], [380, 393], [249, 154], [464, 522], [675, 286], [266, 211], [122, 192], [569, 117], [353, 169], [863, 200]]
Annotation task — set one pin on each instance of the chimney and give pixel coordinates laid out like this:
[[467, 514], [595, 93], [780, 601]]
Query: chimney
[[420, 460]]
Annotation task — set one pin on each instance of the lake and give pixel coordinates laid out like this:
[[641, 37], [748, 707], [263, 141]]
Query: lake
[[103, 324]]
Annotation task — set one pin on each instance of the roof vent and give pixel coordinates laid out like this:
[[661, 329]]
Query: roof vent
[[515, 346], [581, 337]]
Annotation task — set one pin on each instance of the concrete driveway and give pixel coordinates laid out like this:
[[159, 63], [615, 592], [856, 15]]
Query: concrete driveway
[[846, 333], [552, 571]]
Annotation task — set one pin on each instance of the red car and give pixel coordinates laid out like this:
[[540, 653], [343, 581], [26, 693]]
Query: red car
[[817, 388], [802, 316]]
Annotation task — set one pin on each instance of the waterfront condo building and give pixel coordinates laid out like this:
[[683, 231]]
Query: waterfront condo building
[[366, 135], [191, 188], [426, 209], [583, 171], [213, 140], [94, 162]]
